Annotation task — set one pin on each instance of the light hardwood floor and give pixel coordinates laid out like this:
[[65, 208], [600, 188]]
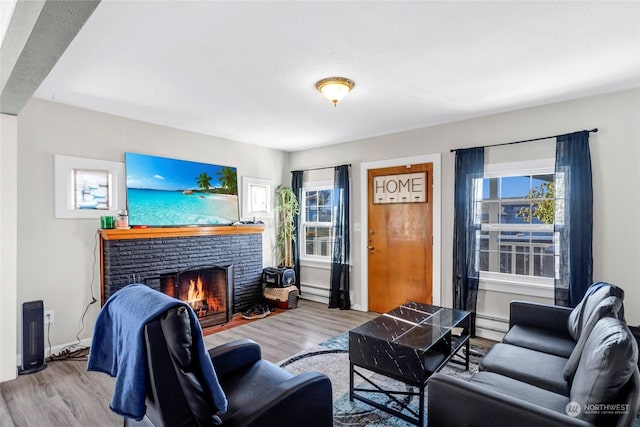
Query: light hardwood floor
[[65, 394]]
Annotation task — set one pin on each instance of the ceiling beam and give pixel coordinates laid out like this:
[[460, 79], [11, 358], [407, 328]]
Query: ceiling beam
[[38, 34]]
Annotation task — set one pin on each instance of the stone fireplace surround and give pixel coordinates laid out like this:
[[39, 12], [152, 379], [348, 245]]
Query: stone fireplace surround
[[142, 255]]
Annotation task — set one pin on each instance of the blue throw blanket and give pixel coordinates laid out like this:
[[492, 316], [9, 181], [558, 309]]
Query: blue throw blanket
[[118, 347]]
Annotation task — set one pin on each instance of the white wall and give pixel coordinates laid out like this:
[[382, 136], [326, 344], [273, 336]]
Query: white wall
[[8, 255], [616, 175], [56, 257]]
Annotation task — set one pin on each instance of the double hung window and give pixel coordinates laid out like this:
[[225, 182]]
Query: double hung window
[[316, 212], [515, 207]]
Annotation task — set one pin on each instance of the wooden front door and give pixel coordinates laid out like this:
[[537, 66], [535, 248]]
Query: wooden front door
[[400, 236]]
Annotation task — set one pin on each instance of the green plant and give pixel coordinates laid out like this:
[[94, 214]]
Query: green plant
[[543, 206], [287, 207]]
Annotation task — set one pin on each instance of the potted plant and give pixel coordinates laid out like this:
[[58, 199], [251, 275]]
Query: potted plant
[[287, 207]]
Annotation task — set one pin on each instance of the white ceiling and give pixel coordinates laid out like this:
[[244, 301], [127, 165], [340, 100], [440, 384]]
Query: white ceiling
[[246, 70]]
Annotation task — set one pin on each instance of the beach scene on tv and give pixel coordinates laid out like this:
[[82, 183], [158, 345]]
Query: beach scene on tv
[[172, 192]]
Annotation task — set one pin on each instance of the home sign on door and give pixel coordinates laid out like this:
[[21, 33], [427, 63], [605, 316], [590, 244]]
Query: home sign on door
[[403, 188]]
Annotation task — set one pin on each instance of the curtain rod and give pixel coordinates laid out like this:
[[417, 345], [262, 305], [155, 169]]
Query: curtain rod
[[453, 150], [317, 169]]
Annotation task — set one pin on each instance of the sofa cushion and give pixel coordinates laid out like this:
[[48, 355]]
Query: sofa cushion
[[609, 307], [533, 367], [608, 361], [521, 390], [594, 296], [544, 340]]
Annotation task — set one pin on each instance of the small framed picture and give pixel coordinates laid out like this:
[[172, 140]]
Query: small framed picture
[[88, 188], [257, 199]]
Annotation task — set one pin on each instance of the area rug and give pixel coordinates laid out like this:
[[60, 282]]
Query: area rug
[[332, 359]]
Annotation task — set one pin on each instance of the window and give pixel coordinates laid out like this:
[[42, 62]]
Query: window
[[316, 226], [515, 205]]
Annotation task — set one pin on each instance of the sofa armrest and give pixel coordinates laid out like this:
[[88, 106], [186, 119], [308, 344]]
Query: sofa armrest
[[234, 355], [538, 315], [304, 400], [453, 402]]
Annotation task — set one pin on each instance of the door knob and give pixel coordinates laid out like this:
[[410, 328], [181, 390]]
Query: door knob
[[370, 249]]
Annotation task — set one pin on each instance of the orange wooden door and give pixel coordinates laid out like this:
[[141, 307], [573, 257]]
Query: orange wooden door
[[400, 236]]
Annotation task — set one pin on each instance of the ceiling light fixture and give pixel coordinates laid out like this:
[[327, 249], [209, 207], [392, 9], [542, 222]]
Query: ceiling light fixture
[[335, 88]]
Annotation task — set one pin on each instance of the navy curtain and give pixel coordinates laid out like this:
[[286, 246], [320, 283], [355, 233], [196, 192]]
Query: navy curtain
[[339, 287], [573, 218], [468, 178], [296, 187]]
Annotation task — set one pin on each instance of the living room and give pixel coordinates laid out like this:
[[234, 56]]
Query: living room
[[49, 259]]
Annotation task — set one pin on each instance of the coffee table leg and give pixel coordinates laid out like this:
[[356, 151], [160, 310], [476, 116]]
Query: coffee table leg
[[421, 419], [468, 350], [351, 381]]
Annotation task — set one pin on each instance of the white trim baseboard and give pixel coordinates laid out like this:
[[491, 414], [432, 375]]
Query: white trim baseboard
[[86, 342], [492, 328], [315, 298], [489, 334], [314, 292], [357, 307]]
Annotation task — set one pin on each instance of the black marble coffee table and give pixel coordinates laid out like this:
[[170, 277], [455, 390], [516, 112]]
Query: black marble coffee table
[[408, 344]]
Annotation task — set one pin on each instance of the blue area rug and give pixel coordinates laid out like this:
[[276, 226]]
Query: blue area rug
[[332, 359], [339, 342]]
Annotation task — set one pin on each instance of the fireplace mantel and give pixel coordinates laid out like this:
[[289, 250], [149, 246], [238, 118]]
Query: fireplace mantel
[[164, 232]]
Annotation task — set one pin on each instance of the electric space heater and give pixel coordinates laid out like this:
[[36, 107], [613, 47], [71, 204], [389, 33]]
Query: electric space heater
[[32, 338]]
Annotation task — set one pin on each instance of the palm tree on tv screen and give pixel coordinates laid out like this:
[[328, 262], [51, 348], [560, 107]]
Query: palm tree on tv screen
[[204, 181], [228, 179]]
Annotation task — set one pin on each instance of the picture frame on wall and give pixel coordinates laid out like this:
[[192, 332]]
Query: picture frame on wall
[[88, 188], [257, 198]]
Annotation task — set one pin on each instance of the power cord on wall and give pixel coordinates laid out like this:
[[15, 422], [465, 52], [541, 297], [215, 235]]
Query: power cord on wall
[[49, 337], [75, 351]]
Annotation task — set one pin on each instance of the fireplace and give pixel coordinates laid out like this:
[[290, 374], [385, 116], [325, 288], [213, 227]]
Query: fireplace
[[143, 255], [207, 289]]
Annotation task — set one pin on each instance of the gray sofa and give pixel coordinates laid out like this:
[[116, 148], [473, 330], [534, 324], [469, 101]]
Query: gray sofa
[[555, 367]]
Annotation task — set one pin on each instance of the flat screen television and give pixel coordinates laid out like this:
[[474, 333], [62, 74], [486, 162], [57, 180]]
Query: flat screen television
[[172, 192]]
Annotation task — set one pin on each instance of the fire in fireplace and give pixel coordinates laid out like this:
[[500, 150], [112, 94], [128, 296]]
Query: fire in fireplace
[[207, 289]]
